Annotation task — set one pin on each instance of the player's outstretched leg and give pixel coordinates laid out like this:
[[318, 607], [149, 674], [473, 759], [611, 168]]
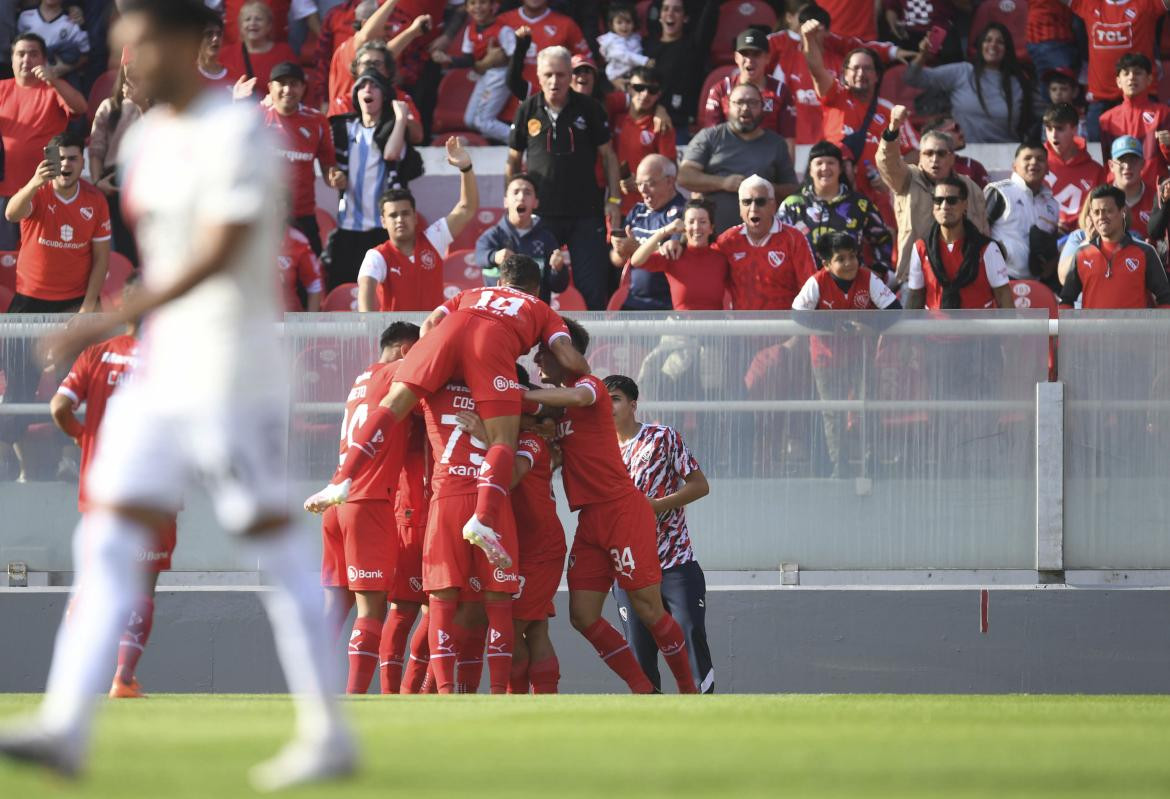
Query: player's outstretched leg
[[322, 748], [105, 549], [392, 652], [671, 640]]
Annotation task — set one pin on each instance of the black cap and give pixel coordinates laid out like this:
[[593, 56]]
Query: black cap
[[287, 69], [751, 39], [823, 149]]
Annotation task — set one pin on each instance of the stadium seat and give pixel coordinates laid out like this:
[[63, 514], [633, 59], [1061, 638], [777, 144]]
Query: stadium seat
[[623, 290], [1034, 294], [734, 17], [119, 270], [460, 272], [1164, 78], [100, 91], [455, 48], [454, 92], [8, 270], [717, 74], [5, 301], [1012, 14], [568, 300], [642, 10], [484, 219], [326, 223], [342, 298]]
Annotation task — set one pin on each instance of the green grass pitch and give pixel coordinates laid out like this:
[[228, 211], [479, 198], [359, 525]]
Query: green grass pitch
[[618, 746]]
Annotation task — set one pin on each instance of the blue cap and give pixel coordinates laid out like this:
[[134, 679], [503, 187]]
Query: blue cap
[[1125, 145]]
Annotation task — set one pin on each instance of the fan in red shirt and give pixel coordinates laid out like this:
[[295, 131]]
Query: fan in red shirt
[[617, 532], [212, 70], [478, 335], [299, 267], [751, 58], [1138, 116], [259, 48], [636, 134], [1072, 172], [93, 379], [698, 275], [360, 538], [305, 138], [406, 272], [548, 28], [1112, 269], [769, 259], [1116, 27]]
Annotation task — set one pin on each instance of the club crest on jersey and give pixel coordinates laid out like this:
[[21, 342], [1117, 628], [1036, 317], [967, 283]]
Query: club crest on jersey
[[428, 259], [775, 258], [579, 123], [551, 30], [415, 584], [86, 213], [646, 137], [1131, 264], [1148, 117], [861, 300], [305, 132], [285, 262], [534, 127], [475, 585]]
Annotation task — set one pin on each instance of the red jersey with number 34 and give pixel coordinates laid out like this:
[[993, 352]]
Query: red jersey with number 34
[[538, 528], [458, 454], [593, 471], [529, 319], [95, 375], [380, 480]]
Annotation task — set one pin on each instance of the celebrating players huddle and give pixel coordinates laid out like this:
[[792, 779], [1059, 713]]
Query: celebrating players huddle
[[493, 547]]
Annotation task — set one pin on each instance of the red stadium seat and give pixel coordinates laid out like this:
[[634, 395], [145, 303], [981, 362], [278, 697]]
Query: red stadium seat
[[5, 301], [460, 273], [623, 291], [1012, 14], [734, 17], [484, 219], [326, 223], [454, 93], [8, 270], [119, 270], [102, 87], [642, 10], [1164, 78], [717, 74], [342, 298], [1034, 294], [568, 300], [455, 48]]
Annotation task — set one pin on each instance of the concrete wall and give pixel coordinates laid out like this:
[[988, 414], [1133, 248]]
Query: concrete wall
[[893, 640]]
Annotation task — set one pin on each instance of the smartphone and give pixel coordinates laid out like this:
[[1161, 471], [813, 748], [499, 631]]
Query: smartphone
[[53, 156], [935, 39]]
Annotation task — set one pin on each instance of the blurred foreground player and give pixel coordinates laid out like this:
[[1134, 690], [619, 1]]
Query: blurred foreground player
[[476, 336], [615, 535], [360, 538], [95, 375], [665, 471], [209, 399]]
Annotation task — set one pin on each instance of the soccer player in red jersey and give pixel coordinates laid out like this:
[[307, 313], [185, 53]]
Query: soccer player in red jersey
[[478, 335], [616, 531], [360, 538], [95, 375]]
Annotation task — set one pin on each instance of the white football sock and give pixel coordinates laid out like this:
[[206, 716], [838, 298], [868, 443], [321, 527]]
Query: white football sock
[[108, 578]]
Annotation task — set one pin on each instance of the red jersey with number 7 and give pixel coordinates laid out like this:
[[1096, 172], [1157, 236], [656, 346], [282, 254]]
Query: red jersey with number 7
[[528, 319], [538, 528], [458, 454], [593, 471], [380, 480]]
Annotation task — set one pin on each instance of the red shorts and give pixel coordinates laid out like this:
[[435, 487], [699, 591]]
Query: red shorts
[[408, 582], [451, 562], [360, 546], [157, 556], [477, 350], [538, 585], [615, 540]]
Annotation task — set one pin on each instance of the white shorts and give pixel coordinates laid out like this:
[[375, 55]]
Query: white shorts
[[149, 457]]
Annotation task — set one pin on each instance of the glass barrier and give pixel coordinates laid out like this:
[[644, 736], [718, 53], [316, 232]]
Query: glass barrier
[[1116, 370], [845, 440]]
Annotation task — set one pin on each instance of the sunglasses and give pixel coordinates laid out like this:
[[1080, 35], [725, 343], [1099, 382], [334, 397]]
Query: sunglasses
[[638, 88], [950, 199], [758, 202]]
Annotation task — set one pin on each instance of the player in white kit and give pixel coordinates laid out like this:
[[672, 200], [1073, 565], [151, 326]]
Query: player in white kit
[[201, 183]]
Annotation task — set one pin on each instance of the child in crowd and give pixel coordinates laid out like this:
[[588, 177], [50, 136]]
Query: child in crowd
[[622, 46]]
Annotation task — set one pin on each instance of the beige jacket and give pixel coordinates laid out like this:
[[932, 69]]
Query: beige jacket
[[912, 192]]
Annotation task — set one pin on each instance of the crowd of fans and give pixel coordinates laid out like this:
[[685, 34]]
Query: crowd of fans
[[651, 148]]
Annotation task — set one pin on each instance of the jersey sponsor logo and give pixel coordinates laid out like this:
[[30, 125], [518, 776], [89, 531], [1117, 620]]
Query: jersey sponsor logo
[[66, 233], [534, 127], [504, 384], [355, 573], [1131, 264], [775, 258], [1112, 36], [86, 212], [501, 576]]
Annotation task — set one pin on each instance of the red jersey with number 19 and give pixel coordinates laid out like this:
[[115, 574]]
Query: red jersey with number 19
[[96, 374], [380, 481], [528, 318], [458, 454], [593, 471], [538, 528]]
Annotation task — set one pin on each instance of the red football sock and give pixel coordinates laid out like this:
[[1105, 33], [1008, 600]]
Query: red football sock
[[445, 636], [392, 652], [518, 680], [366, 443], [495, 475], [672, 643], [363, 654], [545, 674], [616, 653], [469, 667], [429, 686], [134, 638], [501, 638], [420, 659]]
